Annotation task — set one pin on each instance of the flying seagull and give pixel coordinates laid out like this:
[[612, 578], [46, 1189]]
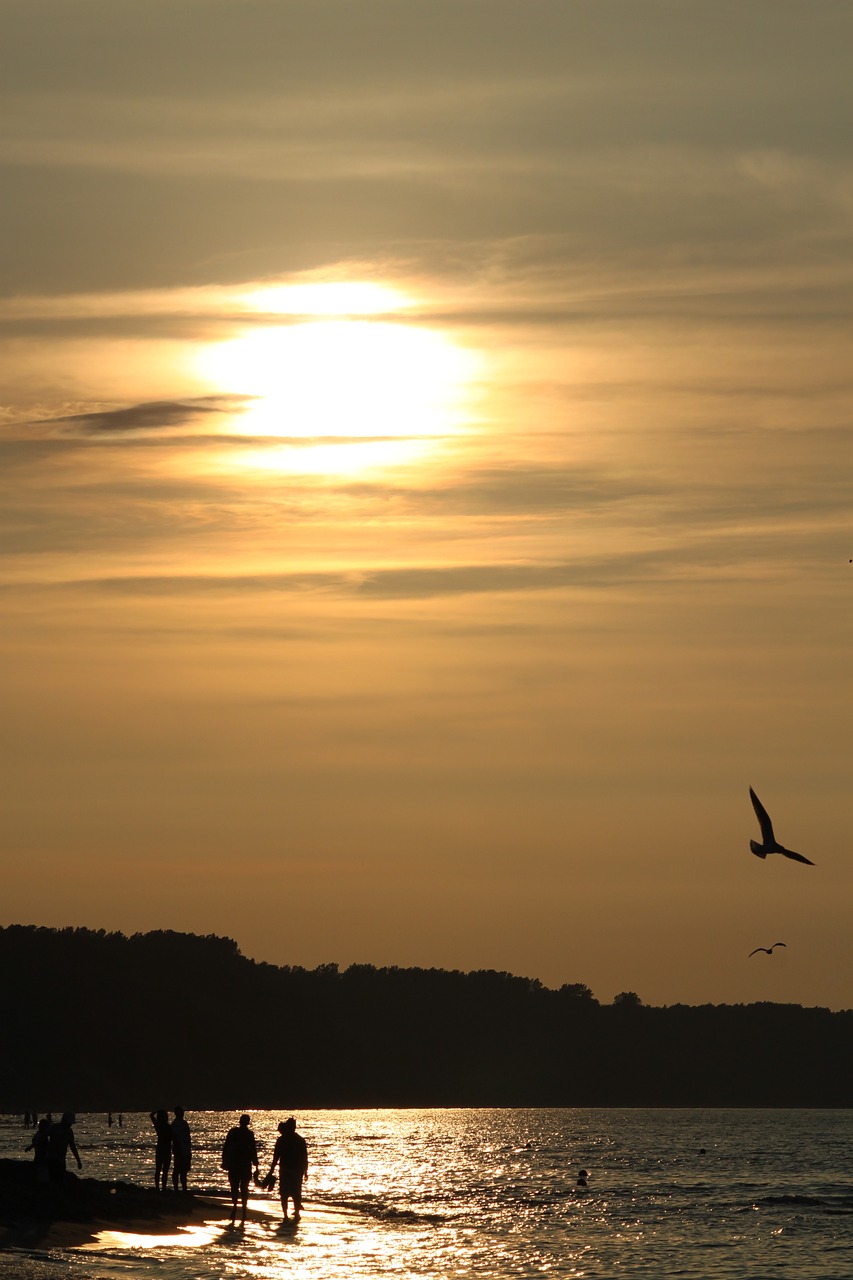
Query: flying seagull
[[769, 950], [769, 843]]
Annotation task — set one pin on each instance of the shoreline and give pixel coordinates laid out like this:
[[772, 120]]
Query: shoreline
[[29, 1220]]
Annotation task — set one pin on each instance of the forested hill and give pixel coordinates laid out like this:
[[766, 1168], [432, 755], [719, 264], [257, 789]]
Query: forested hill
[[95, 1020]]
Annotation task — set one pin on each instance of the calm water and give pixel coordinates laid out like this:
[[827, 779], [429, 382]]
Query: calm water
[[492, 1193]]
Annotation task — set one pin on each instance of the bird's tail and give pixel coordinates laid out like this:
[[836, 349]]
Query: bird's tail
[[757, 849]]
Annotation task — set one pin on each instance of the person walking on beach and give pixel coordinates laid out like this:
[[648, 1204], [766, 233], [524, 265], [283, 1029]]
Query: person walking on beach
[[291, 1155], [163, 1151], [60, 1140], [239, 1158], [182, 1149]]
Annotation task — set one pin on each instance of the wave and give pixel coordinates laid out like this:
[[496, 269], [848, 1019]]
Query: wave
[[792, 1199], [384, 1212]]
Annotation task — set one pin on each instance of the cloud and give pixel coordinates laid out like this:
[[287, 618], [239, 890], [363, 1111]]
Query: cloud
[[151, 416], [386, 584], [229, 50], [421, 582], [512, 491], [306, 133]]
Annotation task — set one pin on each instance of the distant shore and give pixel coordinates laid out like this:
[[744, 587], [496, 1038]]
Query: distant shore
[[557, 1047], [30, 1221]]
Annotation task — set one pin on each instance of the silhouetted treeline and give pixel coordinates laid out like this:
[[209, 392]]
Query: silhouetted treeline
[[97, 1020]]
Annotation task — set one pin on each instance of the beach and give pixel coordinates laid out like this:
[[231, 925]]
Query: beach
[[87, 1207]]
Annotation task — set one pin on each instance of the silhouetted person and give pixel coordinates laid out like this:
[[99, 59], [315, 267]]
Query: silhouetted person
[[120, 1120], [60, 1140], [39, 1146], [163, 1151], [239, 1158], [182, 1149], [582, 1178], [110, 1119], [291, 1155]]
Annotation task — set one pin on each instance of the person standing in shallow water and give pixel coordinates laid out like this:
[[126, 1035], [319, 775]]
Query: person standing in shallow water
[[291, 1155], [60, 1140], [181, 1149], [39, 1146], [163, 1151], [239, 1158]]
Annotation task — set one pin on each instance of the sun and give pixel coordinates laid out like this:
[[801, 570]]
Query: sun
[[336, 378], [342, 380]]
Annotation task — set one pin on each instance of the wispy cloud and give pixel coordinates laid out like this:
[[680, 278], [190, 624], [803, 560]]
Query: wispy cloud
[[415, 583], [632, 135], [725, 559], [512, 491], [152, 416]]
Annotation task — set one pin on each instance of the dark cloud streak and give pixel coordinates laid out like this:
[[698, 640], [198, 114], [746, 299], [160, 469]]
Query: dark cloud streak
[[414, 582], [152, 415]]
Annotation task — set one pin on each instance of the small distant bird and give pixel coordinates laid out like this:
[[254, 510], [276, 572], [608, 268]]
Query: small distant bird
[[769, 843], [769, 950]]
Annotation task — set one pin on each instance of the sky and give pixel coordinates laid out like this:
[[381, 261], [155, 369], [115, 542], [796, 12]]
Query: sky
[[425, 502]]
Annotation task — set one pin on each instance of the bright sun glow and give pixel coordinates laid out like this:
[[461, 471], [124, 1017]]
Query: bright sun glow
[[328, 298], [363, 393], [342, 378]]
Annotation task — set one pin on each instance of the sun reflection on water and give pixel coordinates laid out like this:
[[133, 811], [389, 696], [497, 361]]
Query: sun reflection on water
[[184, 1237]]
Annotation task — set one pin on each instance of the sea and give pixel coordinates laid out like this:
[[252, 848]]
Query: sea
[[705, 1194]]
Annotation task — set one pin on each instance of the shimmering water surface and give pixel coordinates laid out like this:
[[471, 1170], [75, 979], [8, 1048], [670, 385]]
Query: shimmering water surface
[[438, 1193]]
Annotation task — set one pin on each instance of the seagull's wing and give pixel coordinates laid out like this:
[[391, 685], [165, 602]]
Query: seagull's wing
[[756, 951], [798, 857], [780, 944], [763, 819]]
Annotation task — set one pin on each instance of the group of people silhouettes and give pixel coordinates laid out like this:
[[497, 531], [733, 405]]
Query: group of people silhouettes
[[240, 1161], [51, 1143], [174, 1147]]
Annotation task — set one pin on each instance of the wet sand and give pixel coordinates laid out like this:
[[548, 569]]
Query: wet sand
[[30, 1220]]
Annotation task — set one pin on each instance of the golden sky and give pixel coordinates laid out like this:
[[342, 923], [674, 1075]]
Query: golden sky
[[425, 454]]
